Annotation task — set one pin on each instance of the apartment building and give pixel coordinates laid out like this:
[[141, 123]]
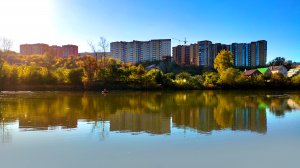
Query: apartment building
[[140, 51], [203, 53], [181, 54], [29, 49], [69, 50], [194, 54], [54, 50]]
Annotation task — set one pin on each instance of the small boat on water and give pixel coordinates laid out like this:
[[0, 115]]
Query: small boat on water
[[104, 91], [278, 96]]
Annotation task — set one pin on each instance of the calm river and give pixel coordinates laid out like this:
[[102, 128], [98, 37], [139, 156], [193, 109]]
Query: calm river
[[150, 129]]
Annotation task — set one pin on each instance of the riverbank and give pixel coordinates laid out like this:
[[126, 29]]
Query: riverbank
[[86, 73], [134, 87]]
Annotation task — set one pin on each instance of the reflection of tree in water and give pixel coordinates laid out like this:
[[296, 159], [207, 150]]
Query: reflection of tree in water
[[102, 128], [5, 134], [203, 111], [279, 106], [221, 111]]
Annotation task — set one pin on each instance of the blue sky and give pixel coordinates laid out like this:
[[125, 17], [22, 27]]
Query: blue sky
[[225, 21]]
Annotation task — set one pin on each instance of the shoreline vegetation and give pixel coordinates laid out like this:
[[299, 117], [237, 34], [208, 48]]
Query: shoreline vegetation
[[47, 73]]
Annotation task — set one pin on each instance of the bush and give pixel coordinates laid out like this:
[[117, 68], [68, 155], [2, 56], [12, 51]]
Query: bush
[[211, 79], [75, 76], [277, 80], [296, 80], [229, 76]]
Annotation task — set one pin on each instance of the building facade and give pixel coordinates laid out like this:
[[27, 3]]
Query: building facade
[[194, 54], [181, 54], [69, 50], [54, 50], [203, 53], [30, 49], [141, 51]]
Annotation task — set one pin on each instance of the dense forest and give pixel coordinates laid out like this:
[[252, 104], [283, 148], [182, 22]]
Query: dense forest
[[44, 72]]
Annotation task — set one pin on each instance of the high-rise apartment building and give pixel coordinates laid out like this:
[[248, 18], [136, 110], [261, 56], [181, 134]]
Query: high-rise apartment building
[[259, 49], [194, 54], [29, 49], [206, 55], [181, 54], [203, 53], [57, 51], [69, 50], [140, 51], [249, 54]]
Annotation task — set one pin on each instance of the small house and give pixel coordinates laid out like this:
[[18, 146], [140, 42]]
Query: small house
[[252, 73], [265, 71], [293, 72], [153, 66], [278, 69]]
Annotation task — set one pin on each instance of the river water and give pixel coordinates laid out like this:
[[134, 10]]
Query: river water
[[150, 129]]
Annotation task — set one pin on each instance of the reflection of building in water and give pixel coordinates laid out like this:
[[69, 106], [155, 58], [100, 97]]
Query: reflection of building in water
[[200, 119], [152, 122], [250, 119], [207, 120], [45, 122], [145, 112]]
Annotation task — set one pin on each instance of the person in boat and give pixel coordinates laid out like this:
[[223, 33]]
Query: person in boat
[[104, 91]]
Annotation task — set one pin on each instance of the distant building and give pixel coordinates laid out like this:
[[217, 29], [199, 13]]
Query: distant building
[[258, 54], [296, 64], [167, 58], [57, 51], [181, 54], [203, 53], [206, 57], [30, 49], [279, 69], [293, 72], [98, 54], [141, 51], [194, 54], [69, 50]]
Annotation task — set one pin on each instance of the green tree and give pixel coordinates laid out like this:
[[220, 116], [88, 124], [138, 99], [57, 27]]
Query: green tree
[[277, 61], [277, 80], [223, 61], [257, 81], [296, 80], [184, 80], [197, 81], [150, 78], [168, 79], [61, 75], [229, 76], [90, 68], [281, 61], [210, 79]]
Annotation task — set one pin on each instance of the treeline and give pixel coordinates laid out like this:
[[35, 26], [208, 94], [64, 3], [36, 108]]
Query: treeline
[[87, 73]]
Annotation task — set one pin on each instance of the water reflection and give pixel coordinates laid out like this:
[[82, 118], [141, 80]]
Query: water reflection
[[143, 111]]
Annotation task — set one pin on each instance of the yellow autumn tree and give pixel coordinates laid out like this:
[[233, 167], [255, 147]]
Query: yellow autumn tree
[[223, 61]]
